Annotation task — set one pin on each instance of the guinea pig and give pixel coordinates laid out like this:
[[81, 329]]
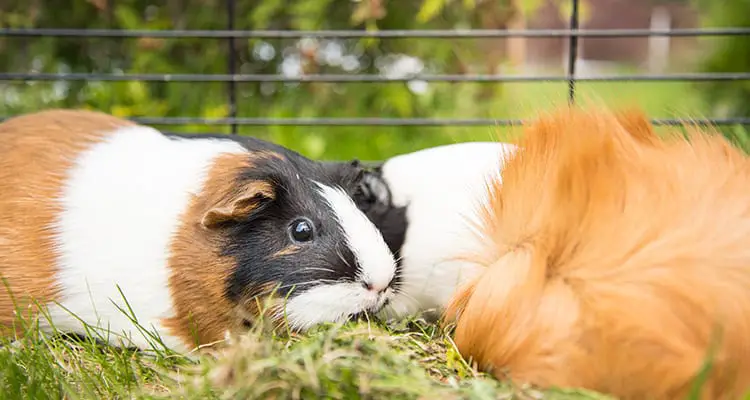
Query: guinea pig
[[97, 211], [614, 260], [422, 203]]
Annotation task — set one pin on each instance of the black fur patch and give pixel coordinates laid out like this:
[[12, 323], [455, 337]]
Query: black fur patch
[[373, 197], [260, 244]]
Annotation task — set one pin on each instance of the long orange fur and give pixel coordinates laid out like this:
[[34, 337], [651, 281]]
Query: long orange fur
[[616, 260]]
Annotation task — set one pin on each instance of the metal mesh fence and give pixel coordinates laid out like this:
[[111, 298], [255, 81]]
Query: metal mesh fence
[[232, 78]]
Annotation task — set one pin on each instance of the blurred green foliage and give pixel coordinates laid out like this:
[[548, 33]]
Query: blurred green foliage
[[209, 100], [293, 56], [728, 54]]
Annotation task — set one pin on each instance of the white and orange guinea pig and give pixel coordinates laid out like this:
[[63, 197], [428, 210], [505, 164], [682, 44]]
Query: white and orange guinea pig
[[423, 203], [97, 211], [613, 259]]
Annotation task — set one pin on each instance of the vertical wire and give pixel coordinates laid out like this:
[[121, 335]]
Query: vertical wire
[[572, 52], [232, 63]]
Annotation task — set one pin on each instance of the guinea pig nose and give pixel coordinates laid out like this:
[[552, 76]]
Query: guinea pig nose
[[369, 286]]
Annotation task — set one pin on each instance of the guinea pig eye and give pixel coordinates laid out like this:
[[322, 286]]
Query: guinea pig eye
[[301, 230]]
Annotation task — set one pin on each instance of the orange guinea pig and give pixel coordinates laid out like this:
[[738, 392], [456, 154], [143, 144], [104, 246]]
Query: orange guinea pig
[[615, 260]]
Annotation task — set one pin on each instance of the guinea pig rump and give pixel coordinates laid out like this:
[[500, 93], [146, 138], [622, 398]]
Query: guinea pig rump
[[27, 206], [613, 259]]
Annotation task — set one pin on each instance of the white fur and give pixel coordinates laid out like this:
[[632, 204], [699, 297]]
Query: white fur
[[122, 205], [442, 187], [363, 238], [332, 303], [335, 302]]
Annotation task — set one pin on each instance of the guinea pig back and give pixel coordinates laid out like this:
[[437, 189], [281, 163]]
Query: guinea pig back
[[190, 231], [614, 260]]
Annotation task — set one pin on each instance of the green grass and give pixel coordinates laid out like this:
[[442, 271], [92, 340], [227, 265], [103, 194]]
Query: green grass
[[412, 360]]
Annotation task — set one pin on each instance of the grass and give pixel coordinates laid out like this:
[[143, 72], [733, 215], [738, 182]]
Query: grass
[[408, 360]]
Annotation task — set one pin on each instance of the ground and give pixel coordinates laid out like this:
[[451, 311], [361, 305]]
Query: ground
[[412, 360]]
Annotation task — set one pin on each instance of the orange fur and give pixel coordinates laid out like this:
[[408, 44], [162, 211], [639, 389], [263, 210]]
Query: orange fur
[[198, 270], [614, 260], [36, 151]]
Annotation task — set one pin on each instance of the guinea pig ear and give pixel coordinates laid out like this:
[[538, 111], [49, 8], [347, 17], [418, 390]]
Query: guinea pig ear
[[373, 190], [239, 204]]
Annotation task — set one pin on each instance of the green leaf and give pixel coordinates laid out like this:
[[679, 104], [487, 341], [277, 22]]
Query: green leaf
[[127, 18], [263, 13], [217, 111], [121, 111], [137, 91], [314, 145], [310, 14], [429, 9], [399, 98]]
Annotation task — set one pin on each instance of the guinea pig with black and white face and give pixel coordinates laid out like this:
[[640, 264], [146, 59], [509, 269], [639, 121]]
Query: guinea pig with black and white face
[[190, 231], [424, 204]]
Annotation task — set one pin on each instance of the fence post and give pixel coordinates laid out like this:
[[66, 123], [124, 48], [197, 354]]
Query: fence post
[[572, 52], [231, 61]]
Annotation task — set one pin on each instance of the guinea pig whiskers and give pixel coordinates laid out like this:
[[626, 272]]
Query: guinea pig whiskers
[[306, 269], [312, 282], [404, 281], [407, 297], [407, 274], [341, 256]]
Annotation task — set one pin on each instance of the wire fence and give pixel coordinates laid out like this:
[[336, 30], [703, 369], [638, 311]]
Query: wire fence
[[232, 78]]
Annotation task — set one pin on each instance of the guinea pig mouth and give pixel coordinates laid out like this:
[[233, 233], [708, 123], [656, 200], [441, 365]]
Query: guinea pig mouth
[[369, 313], [360, 316]]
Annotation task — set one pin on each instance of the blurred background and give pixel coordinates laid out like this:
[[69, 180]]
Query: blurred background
[[389, 57]]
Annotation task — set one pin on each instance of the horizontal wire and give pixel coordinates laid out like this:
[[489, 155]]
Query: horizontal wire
[[394, 34], [23, 76], [11, 32], [390, 121]]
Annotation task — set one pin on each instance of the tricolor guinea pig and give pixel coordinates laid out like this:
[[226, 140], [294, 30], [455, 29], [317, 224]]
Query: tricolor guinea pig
[[423, 203], [614, 259], [190, 231]]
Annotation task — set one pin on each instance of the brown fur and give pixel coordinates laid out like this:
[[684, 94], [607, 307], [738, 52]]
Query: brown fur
[[286, 251], [199, 271], [36, 150], [615, 259]]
